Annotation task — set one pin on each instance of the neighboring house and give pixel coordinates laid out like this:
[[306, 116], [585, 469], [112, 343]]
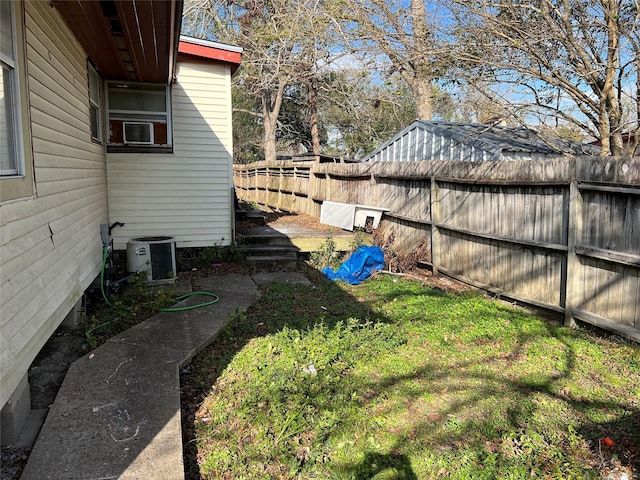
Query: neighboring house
[[107, 115], [630, 141], [472, 142]]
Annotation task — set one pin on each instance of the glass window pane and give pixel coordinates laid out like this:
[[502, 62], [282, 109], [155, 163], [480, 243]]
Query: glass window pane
[[138, 116], [95, 121], [94, 103], [132, 103], [94, 86], [7, 131], [6, 33], [147, 100]]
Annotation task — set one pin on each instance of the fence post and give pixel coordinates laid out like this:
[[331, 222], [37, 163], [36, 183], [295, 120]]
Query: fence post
[[574, 225], [434, 209], [311, 192], [280, 182]]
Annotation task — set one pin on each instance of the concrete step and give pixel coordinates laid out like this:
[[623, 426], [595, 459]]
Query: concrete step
[[265, 247], [258, 249], [255, 218], [252, 216], [270, 255], [280, 261], [262, 236], [240, 214]]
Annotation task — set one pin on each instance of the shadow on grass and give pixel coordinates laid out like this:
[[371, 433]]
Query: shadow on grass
[[467, 386], [374, 464], [322, 303], [448, 403]]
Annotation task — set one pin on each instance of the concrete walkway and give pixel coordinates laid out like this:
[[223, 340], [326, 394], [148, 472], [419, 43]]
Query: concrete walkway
[[117, 414]]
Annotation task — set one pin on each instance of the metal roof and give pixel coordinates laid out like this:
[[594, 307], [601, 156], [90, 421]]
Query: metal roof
[[473, 142]]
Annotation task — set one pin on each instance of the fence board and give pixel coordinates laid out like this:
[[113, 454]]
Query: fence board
[[562, 233], [630, 301]]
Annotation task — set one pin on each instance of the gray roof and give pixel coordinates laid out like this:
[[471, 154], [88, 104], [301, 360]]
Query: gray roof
[[424, 140]]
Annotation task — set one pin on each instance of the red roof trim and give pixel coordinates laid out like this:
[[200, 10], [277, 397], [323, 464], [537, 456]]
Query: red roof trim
[[210, 53]]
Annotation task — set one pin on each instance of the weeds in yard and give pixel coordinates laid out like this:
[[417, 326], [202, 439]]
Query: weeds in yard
[[360, 239], [203, 257], [326, 255], [136, 303], [409, 382]]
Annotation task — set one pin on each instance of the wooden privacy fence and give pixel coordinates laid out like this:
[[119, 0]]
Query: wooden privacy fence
[[560, 234]]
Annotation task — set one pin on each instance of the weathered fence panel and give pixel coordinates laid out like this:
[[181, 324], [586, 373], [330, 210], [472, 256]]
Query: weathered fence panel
[[563, 234]]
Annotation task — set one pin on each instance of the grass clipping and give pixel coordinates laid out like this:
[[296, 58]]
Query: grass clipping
[[390, 379]]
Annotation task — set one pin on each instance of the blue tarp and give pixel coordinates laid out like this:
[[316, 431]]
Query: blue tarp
[[359, 266]]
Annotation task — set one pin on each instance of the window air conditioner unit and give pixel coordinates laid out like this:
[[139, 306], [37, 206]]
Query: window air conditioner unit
[[140, 133], [153, 256]]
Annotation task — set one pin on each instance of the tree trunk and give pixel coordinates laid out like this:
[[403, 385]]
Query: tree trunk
[[615, 124], [312, 99], [603, 129], [634, 140], [611, 104], [424, 99], [421, 84], [271, 103], [270, 123]]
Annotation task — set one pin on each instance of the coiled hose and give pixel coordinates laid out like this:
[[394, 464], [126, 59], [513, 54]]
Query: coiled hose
[[105, 256]]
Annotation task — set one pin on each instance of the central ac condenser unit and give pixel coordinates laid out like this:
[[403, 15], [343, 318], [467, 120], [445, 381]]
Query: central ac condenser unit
[[154, 256]]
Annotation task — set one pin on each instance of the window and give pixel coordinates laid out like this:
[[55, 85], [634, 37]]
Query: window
[[139, 117], [9, 115], [94, 104], [16, 166]]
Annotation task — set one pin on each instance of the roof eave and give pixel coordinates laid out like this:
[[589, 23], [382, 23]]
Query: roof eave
[[213, 51], [132, 40]]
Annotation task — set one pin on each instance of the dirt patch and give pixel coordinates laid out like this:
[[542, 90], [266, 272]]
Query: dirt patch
[[45, 378], [295, 219], [50, 366], [285, 219], [13, 462]]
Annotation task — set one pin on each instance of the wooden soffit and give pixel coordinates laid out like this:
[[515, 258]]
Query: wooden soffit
[[133, 40]]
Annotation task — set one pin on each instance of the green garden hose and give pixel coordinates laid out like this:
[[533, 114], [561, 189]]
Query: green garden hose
[[191, 307], [105, 255]]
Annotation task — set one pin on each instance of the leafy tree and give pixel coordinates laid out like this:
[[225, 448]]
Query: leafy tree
[[360, 113], [283, 48], [567, 60], [348, 74], [247, 128], [402, 39]]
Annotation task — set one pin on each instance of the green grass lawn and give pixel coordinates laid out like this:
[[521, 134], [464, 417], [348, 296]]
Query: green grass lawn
[[394, 380]]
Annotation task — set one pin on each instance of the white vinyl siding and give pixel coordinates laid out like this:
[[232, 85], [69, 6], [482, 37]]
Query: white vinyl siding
[[50, 247], [186, 194]]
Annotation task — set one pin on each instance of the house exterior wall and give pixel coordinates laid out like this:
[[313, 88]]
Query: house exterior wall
[[186, 194], [50, 248]]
